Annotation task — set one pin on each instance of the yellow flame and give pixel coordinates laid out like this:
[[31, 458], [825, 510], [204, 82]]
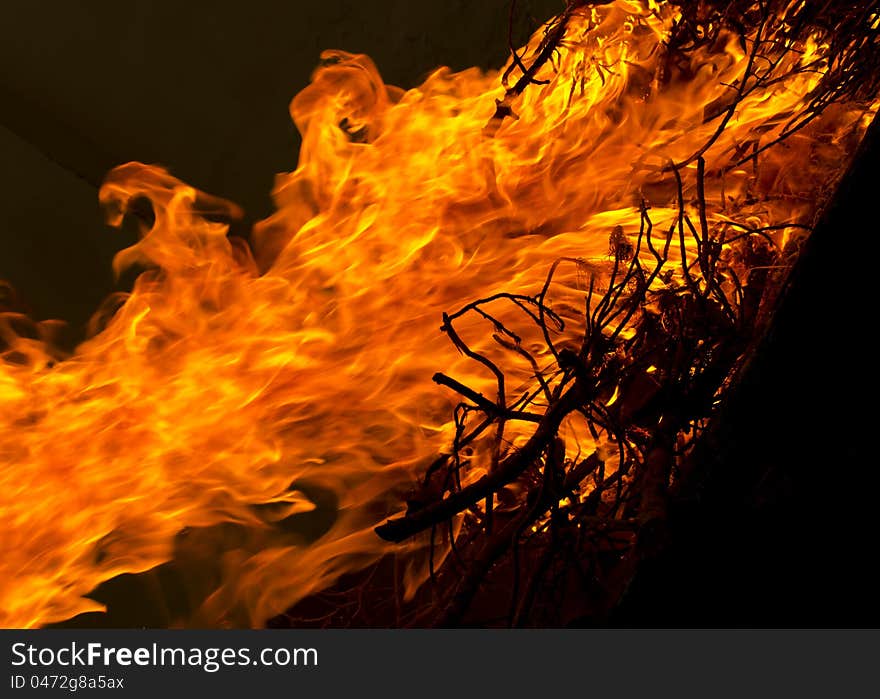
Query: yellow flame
[[232, 386]]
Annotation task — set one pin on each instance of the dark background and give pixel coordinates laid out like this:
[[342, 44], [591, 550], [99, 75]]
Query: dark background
[[785, 532], [201, 87]]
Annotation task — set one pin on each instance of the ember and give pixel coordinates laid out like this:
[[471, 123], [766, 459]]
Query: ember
[[599, 230]]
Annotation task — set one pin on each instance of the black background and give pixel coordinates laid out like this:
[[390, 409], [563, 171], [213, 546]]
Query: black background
[[785, 533], [201, 87]]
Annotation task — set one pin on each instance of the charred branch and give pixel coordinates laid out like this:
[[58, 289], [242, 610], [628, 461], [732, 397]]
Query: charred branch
[[668, 319]]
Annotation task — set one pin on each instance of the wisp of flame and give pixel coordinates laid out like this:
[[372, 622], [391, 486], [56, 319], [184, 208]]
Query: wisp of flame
[[238, 380]]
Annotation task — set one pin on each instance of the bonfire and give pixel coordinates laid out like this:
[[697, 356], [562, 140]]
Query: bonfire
[[580, 249]]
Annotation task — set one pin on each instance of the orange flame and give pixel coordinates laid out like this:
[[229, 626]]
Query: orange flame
[[232, 381]]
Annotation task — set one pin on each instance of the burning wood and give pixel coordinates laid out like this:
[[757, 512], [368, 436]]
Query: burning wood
[[689, 332], [624, 217]]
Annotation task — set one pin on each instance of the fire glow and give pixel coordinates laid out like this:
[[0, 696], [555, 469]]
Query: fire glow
[[238, 379]]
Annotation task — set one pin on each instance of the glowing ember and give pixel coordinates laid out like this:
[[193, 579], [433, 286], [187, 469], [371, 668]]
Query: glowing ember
[[232, 381]]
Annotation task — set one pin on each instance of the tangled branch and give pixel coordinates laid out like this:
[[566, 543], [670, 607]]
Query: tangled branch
[[665, 323]]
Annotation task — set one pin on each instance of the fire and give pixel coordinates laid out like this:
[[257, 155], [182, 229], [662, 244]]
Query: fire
[[240, 386]]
